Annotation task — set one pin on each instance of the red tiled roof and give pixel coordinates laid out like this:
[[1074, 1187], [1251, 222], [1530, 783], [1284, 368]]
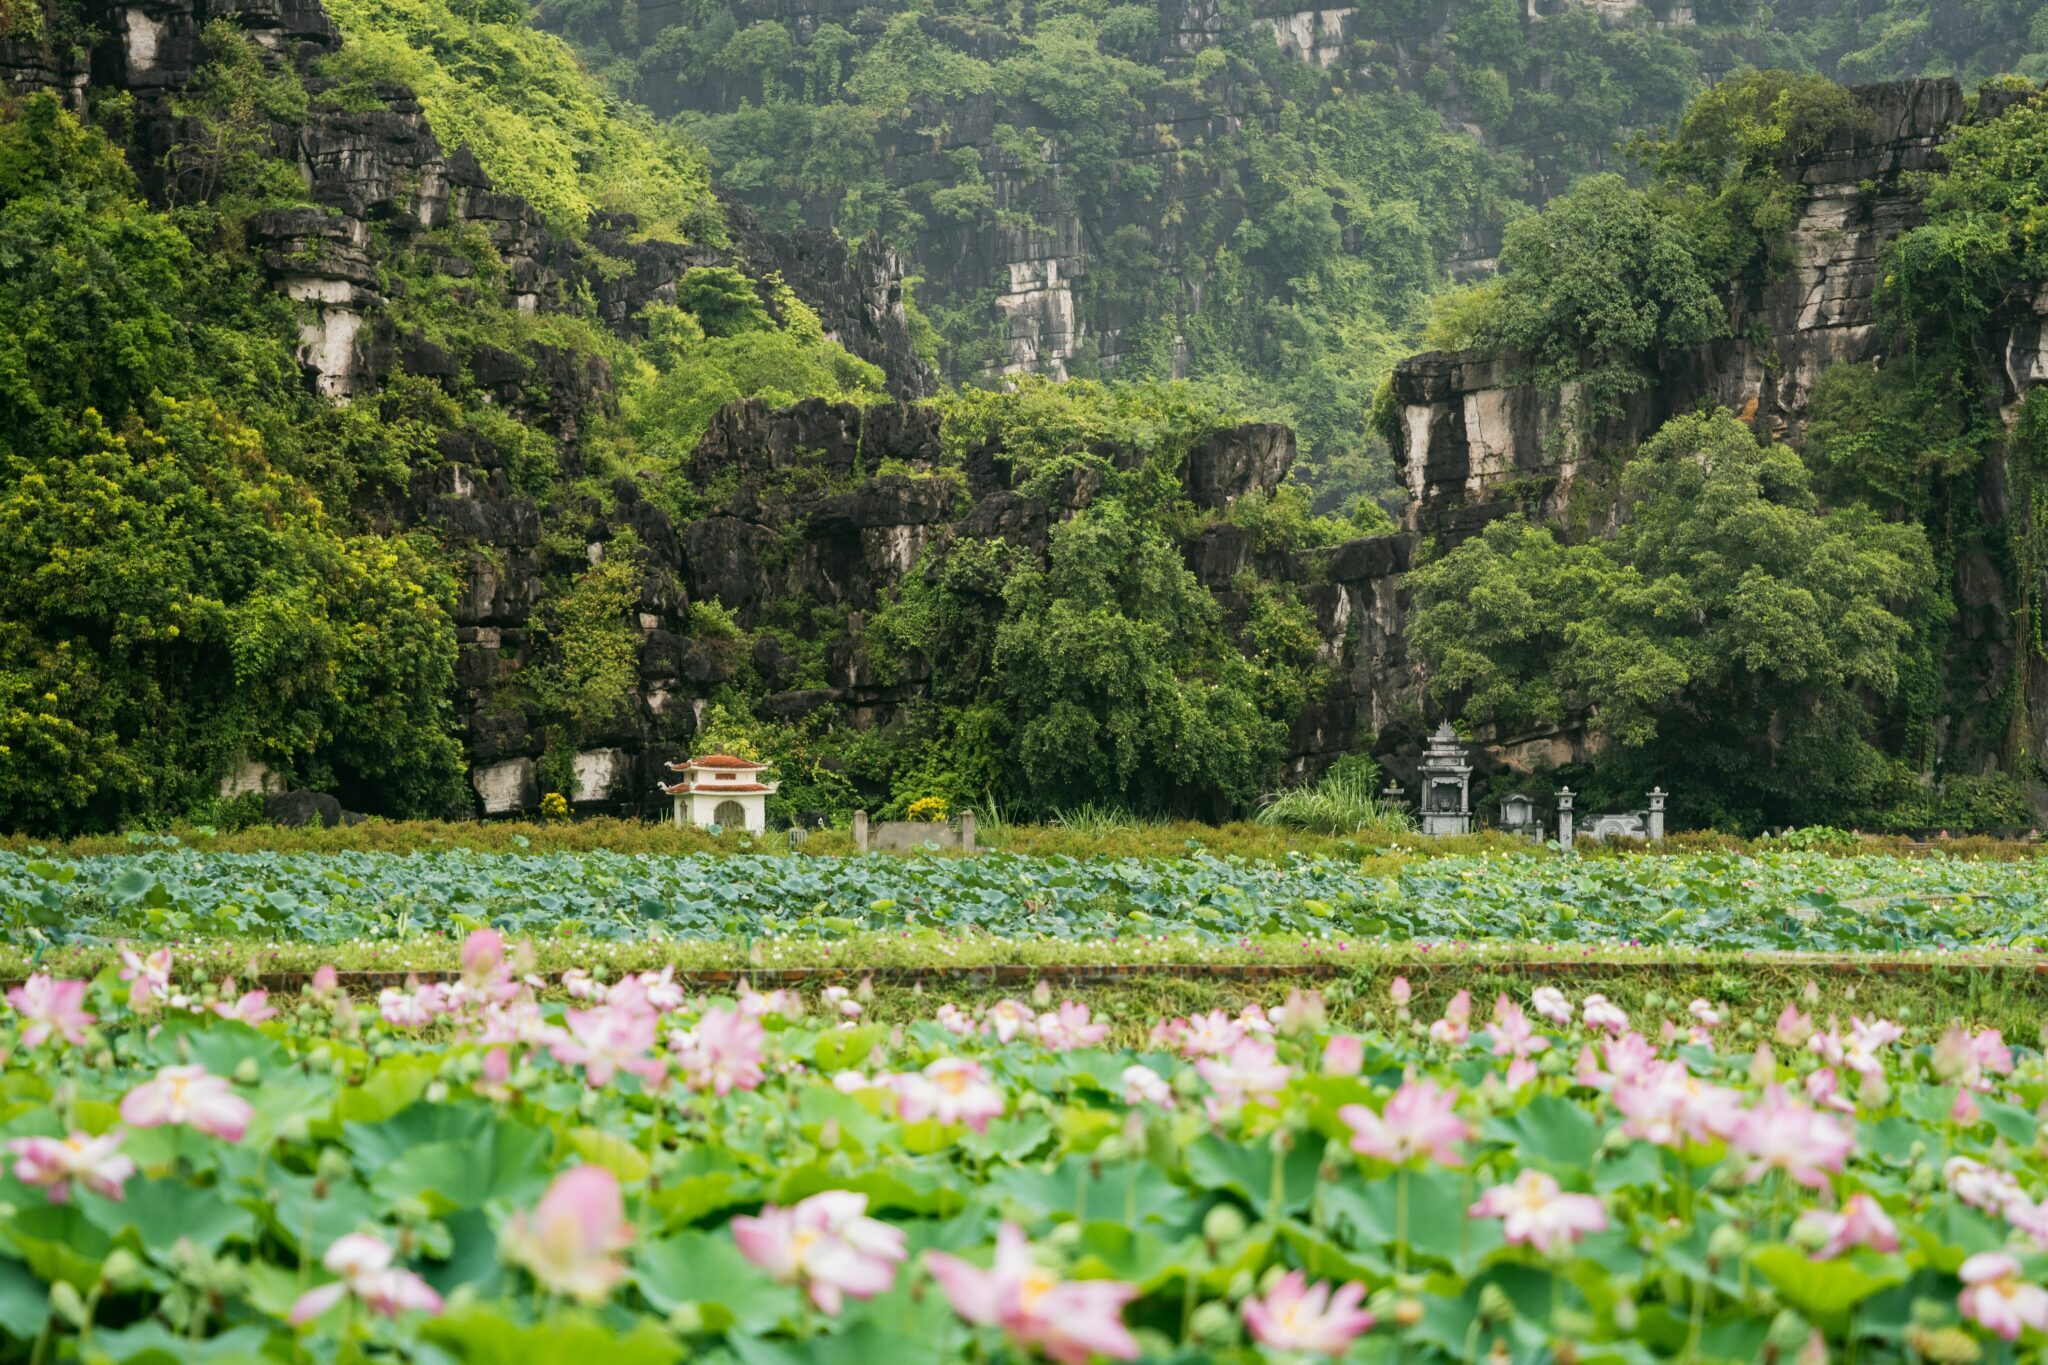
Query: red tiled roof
[[714, 788], [718, 761]]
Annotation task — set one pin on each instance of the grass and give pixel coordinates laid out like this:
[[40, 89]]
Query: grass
[[1345, 801], [2008, 991]]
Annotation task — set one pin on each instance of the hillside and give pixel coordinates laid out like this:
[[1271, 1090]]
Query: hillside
[[1260, 198]]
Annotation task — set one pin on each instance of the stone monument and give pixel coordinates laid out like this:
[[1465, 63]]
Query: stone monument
[[1446, 785]]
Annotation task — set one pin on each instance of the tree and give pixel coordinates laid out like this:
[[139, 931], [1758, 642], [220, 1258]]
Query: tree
[[1733, 625], [1596, 282], [1118, 681]]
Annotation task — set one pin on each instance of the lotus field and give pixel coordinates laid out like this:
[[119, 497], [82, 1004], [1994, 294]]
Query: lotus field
[[507, 1168]]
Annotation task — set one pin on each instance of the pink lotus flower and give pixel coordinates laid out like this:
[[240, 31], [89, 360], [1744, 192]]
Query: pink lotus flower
[[1550, 1002], [1010, 1020], [1071, 1028], [495, 1079], [364, 1264], [1143, 1085], [827, 1244], [1302, 1012], [1628, 1057], [151, 977], [1455, 1028], [1965, 1111], [839, 1000], [188, 1096], [951, 1090], [1794, 1028], [1823, 1087], [581, 985], [1666, 1104], [782, 1003], [1704, 1014], [1997, 1299], [1419, 1121], [251, 1008], [569, 1243], [55, 1163], [1599, 1014], [1535, 1210], [1251, 1071], [722, 1054], [1972, 1059], [609, 1039], [1343, 1055], [412, 1009], [1513, 1036], [1206, 1035], [1784, 1135], [326, 983], [1067, 1321], [954, 1020], [1861, 1223], [1400, 993], [1980, 1186], [1858, 1050], [1295, 1316], [52, 1008]]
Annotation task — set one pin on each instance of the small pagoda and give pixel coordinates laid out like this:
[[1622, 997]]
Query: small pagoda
[[1446, 785], [721, 790]]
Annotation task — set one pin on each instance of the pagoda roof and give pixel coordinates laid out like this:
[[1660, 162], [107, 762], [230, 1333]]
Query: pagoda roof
[[719, 761], [717, 788]]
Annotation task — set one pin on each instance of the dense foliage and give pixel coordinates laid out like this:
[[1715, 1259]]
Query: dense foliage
[[460, 1170], [1732, 625], [1727, 902], [175, 596]]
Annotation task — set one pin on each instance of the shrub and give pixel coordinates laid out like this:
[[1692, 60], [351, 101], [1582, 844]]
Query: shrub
[[1345, 800]]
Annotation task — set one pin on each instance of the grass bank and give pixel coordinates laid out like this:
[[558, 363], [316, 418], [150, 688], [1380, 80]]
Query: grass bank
[[1133, 982]]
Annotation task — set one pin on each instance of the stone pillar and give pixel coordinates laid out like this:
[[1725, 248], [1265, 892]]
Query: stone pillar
[[1657, 795], [1392, 793], [967, 831], [860, 831], [1564, 818], [676, 810]]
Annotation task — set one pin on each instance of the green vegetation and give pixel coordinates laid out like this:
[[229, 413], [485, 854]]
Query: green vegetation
[[174, 594], [1345, 800]]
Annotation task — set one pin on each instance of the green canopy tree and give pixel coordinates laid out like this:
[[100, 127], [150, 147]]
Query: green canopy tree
[[1733, 625]]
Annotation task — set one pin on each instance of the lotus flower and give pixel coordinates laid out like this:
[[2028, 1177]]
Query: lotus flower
[[151, 977], [1513, 1036], [827, 1244], [1302, 1012], [1343, 1055], [1794, 1028], [1861, 1223], [364, 1264], [1295, 1316], [955, 1020], [1550, 1002], [722, 1054], [1067, 1321], [1972, 1059], [1824, 1088], [188, 1096], [56, 1163], [252, 1008], [1419, 1121], [1997, 1299], [412, 1009], [1070, 1028], [1535, 1210], [1665, 1104], [951, 1090], [1980, 1186], [1010, 1020], [1455, 1028], [609, 1039], [1250, 1071], [1400, 992], [1599, 1014], [1784, 1135], [571, 1239], [1143, 1085], [51, 1008]]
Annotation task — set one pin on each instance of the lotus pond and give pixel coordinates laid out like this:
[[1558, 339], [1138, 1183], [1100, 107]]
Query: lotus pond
[[1724, 901], [509, 1168]]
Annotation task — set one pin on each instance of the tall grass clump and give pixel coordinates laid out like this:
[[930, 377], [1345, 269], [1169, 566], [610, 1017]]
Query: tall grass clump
[[1345, 800]]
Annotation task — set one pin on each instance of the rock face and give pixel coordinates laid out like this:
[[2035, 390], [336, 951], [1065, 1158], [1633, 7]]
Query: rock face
[[1475, 444]]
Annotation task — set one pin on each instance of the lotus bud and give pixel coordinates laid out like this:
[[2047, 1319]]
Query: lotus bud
[[1041, 994], [437, 1092], [1625, 1313], [1653, 1001], [828, 1136], [687, 1319], [1274, 1274], [1875, 1091], [95, 1041], [1726, 1243], [67, 1303], [1763, 1067], [1065, 1234], [1944, 1345], [1213, 1323], [1407, 1312], [247, 1071], [1343, 1055], [333, 1166], [1224, 1225], [1495, 1305], [1809, 994], [1788, 1333], [121, 1268]]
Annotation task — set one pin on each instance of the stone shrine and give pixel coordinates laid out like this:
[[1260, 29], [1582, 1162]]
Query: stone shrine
[[1446, 784]]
